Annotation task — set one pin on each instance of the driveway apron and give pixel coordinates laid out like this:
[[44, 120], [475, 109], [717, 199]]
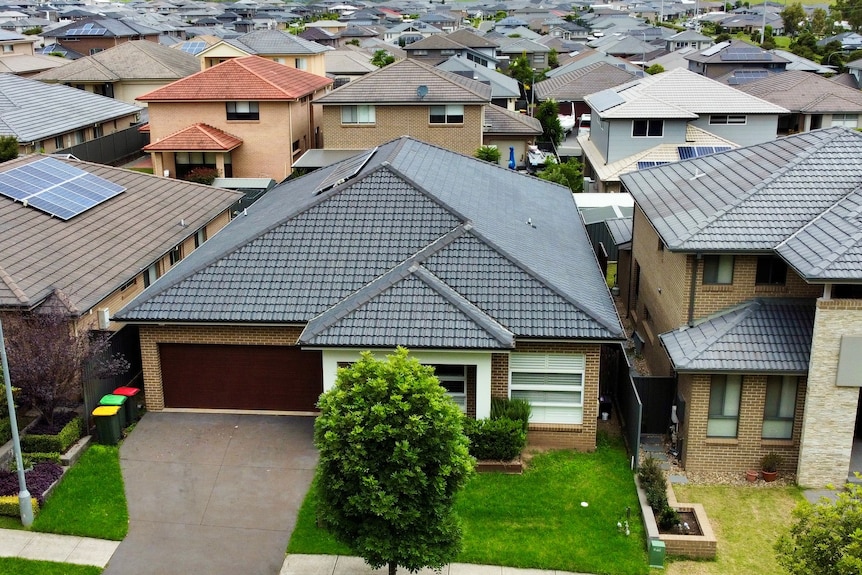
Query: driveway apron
[[213, 493]]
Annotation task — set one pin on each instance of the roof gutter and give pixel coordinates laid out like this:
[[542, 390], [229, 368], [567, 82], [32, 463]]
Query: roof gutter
[[691, 292]]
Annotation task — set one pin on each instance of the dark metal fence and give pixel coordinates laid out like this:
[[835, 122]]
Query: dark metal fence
[[127, 343], [600, 236], [112, 148], [630, 409], [657, 395]]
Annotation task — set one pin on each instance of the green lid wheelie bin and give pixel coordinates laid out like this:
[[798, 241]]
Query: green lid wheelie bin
[[108, 424], [116, 401]]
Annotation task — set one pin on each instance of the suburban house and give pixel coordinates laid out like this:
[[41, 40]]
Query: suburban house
[[228, 117], [47, 118], [275, 45], [463, 43], [406, 98], [570, 89], [95, 34], [346, 65], [745, 283], [485, 273], [732, 56], [668, 117], [688, 39], [409, 32], [124, 72], [89, 236], [537, 54], [814, 102], [510, 132], [505, 90], [18, 56]]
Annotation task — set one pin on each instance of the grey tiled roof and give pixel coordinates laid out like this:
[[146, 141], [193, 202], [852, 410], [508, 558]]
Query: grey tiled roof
[[275, 42], [502, 121], [502, 86], [749, 199], [769, 335], [460, 236], [573, 86], [397, 83], [620, 230], [32, 111], [806, 92]]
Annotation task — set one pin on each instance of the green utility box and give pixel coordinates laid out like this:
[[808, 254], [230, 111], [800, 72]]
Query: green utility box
[[108, 424], [117, 401], [656, 553]]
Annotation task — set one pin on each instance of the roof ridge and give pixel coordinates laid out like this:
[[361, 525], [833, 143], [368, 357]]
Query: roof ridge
[[744, 309], [10, 283]]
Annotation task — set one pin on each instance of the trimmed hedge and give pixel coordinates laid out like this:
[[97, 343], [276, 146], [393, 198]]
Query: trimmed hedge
[[514, 409], [10, 507], [31, 459], [53, 443], [5, 430], [496, 439]]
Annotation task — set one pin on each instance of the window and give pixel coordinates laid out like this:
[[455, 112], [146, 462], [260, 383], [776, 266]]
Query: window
[[770, 271], [845, 120], [132, 282], [242, 111], [420, 52], [718, 269], [80, 138], [176, 254], [200, 236], [59, 143], [296, 147], [647, 128], [448, 114], [278, 60], [97, 131], [479, 60], [538, 59], [8, 48], [357, 115], [151, 274], [780, 407], [447, 52], [552, 383], [301, 63], [95, 50], [724, 119], [724, 394], [453, 378]]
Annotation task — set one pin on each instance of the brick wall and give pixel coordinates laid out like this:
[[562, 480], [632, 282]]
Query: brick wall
[[152, 336], [712, 454], [395, 121], [830, 411]]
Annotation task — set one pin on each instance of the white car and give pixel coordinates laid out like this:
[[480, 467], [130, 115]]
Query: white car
[[584, 124]]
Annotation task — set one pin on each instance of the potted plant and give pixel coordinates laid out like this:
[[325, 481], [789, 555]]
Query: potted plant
[[769, 464]]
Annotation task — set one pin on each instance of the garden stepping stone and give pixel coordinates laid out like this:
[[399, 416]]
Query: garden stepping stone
[[677, 479], [814, 495], [656, 450]]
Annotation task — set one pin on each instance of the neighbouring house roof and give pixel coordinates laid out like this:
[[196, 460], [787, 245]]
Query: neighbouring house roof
[[249, 78], [99, 28], [196, 138], [398, 83], [806, 92], [502, 86], [136, 60], [29, 63], [31, 110], [754, 198], [735, 52], [502, 121], [441, 250], [471, 39], [348, 62], [796, 62], [573, 86], [521, 45], [275, 42], [620, 230], [762, 335], [676, 94], [94, 253]]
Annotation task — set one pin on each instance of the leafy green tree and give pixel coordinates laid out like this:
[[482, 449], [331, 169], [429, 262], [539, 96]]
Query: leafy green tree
[[8, 148], [548, 114], [521, 70], [488, 154], [353, 42], [768, 40], [826, 538], [393, 456], [851, 11], [805, 45], [382, 58], [819, 20], [553, 58], [569, 173], [654, 69], [794, 18]]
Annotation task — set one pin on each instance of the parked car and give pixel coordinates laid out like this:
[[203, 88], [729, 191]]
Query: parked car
[[584, 124]]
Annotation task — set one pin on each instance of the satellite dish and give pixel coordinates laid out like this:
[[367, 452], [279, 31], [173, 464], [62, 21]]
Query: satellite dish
[[422, 91]]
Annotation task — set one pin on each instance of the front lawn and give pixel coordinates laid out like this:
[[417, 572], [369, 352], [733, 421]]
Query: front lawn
[[536, 520], [747, 521], [89, 501], [16, 566]]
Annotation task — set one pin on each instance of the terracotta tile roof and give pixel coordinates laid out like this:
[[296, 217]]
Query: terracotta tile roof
[[198, 138], [249, 78]]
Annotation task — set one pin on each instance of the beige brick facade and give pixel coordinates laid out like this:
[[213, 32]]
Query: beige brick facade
[[392, 122], [830, 411], [68, 139]]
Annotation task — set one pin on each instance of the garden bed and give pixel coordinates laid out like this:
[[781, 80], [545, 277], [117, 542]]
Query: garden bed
[[516, 466]]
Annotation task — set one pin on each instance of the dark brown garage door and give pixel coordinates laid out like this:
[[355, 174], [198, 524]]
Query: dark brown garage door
[[240, 377]]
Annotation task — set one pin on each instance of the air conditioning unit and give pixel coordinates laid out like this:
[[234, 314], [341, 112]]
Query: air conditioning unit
[[104, 318]]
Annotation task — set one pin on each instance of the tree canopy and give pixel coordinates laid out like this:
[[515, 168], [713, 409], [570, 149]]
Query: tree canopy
[[794, 18], [393, 456], [569, 174], [8, 148], [548, 114], [382, 58]]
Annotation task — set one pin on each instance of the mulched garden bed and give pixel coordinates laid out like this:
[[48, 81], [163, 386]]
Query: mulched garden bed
[[61, 419], [39, 479]]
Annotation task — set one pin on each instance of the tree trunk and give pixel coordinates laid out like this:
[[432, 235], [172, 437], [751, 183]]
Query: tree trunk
[[393, 568]]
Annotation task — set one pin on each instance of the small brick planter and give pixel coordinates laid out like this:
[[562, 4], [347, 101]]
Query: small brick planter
[[515, 467]]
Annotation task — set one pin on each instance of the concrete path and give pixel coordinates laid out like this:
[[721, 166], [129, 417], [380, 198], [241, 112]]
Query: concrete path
[[60, 548], [339, 565], [213, 493]]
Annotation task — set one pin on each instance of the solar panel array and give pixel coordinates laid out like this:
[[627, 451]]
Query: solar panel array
[[745, 76], [688, 152], [605, 100], [642, 165], [345, 171], [712, 50], [87, 29], [193, 47], [56, 188], [746, 55]]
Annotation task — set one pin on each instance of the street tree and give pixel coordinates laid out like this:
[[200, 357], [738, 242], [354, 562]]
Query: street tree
[[393, 456], [819, 21], [8, 148], [794, 18], [548, 115]]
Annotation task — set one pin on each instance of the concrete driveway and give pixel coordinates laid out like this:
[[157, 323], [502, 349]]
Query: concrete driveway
[[213, 493]]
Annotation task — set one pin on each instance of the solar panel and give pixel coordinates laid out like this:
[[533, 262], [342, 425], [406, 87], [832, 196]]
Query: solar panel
[[193, 48], [56, 188], [712, 50], [642, 165], [605, 100], [87, 29], [688, 152], [346, 170]]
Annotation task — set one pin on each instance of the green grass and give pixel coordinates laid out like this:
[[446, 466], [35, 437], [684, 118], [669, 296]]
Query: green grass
[[536, 520], [10, 523], [142, 170], [15, 566], [611, 276], [89, 501], [747, 520]]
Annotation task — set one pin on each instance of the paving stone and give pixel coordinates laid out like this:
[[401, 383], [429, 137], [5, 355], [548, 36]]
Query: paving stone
[[814, 495], [659, 449], [678, 479], [652, 440]]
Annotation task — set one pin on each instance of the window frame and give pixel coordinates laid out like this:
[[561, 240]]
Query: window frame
[[728, 120], [719, 383], [550, 364], [459, 397], [151, 274], [252, 112], [175, 255], [777, 266], [450, 114], [847, 120], [648, 125], [716, 279], [362, 115], [775, 408], [300, 63], [200, 236]]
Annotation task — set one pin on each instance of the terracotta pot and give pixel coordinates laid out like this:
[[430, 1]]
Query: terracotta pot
[[769, 476], [751, 475]]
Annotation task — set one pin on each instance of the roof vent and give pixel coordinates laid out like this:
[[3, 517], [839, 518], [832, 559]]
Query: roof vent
[[422, 91]]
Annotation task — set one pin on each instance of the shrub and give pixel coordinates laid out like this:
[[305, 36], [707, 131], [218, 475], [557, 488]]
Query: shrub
[[668, 518], [202, 175], [9, 506], [36, 443], [514, 409], [5, 430], [39, 479], [653, 483], [31, 459], [770, 462], [656, 496], [488, 154], [498, 439]]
